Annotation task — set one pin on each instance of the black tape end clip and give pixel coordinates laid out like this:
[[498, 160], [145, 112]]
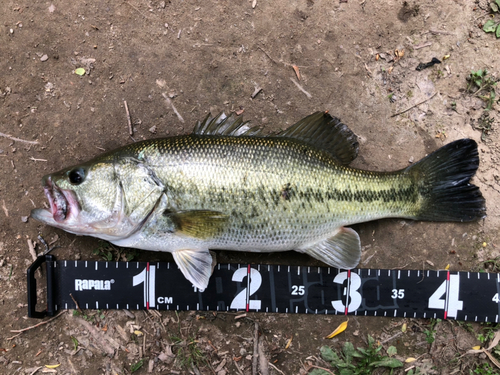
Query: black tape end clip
[[32, 299]]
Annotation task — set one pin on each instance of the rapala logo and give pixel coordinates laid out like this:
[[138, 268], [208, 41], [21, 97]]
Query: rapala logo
[[93, 284]]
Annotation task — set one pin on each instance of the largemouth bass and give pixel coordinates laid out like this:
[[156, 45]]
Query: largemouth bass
[[226, 186]]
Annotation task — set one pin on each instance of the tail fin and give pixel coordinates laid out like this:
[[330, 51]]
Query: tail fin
[[443, 180]]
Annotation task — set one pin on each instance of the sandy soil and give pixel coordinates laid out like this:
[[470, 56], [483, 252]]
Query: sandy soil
[[210, 56]]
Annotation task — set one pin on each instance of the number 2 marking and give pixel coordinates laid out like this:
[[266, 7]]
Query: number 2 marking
[[240, 301]]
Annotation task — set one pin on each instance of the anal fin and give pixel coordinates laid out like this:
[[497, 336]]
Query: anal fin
[[342, 250], [196, 266]]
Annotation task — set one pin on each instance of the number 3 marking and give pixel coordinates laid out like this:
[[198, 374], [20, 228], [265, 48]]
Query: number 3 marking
[[354, 296]]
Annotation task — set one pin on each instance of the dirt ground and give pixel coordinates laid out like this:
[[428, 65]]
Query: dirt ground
[[210, 56]]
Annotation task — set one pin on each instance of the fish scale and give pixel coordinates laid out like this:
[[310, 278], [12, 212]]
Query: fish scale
[[226, 186], [322, 193]]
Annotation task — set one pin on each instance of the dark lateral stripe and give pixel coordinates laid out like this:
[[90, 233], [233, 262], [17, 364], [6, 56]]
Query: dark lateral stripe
[[408, 194]]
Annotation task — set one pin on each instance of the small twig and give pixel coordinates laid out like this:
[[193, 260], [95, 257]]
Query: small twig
[[32, 250], [129, 121], [48, 249], [274, 367], [169, 102], [368, 70], [32, 158], [76, 304], [392, 337], [263, 362], [142, 14], [4, 208], [413, 106], [441, 32], [422, 45], [18, 139], [484, 15], [256, 91], [255, 359], [13, 337], [269, 57], [36, 369], [281, 62], [309, 96], [237, 367], [37, 325]]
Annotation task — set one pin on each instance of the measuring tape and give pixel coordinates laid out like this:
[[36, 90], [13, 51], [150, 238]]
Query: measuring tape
[[468, 296]]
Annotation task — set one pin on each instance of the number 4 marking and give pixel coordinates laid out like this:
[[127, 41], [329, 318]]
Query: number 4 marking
[[450, 303], [495, 298]]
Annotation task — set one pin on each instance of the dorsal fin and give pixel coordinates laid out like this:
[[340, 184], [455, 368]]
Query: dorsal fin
[[327, 133], [225, 125]]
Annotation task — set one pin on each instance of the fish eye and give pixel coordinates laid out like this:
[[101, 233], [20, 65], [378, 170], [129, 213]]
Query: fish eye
[[76, 176]]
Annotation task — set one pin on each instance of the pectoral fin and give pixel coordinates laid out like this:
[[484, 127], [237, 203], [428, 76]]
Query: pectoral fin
[[343, 250], [201, 224], [196, 265]]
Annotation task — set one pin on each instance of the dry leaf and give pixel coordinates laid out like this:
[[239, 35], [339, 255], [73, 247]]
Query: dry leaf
[[341, 328], [495, 340], [492, 359]]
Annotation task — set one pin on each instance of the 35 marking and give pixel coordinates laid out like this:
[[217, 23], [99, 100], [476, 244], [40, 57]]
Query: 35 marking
[[398, 294]]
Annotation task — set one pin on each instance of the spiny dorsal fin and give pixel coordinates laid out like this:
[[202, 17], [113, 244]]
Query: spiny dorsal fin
[[225, 125], [327, 133]]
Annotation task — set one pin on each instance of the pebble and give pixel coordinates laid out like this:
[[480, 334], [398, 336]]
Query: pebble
[[44, 58]]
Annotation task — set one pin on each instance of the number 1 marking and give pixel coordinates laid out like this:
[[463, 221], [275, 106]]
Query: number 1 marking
[[147, 277]]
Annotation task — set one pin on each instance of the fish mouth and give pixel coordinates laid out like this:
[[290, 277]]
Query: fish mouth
[[63, 203]]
